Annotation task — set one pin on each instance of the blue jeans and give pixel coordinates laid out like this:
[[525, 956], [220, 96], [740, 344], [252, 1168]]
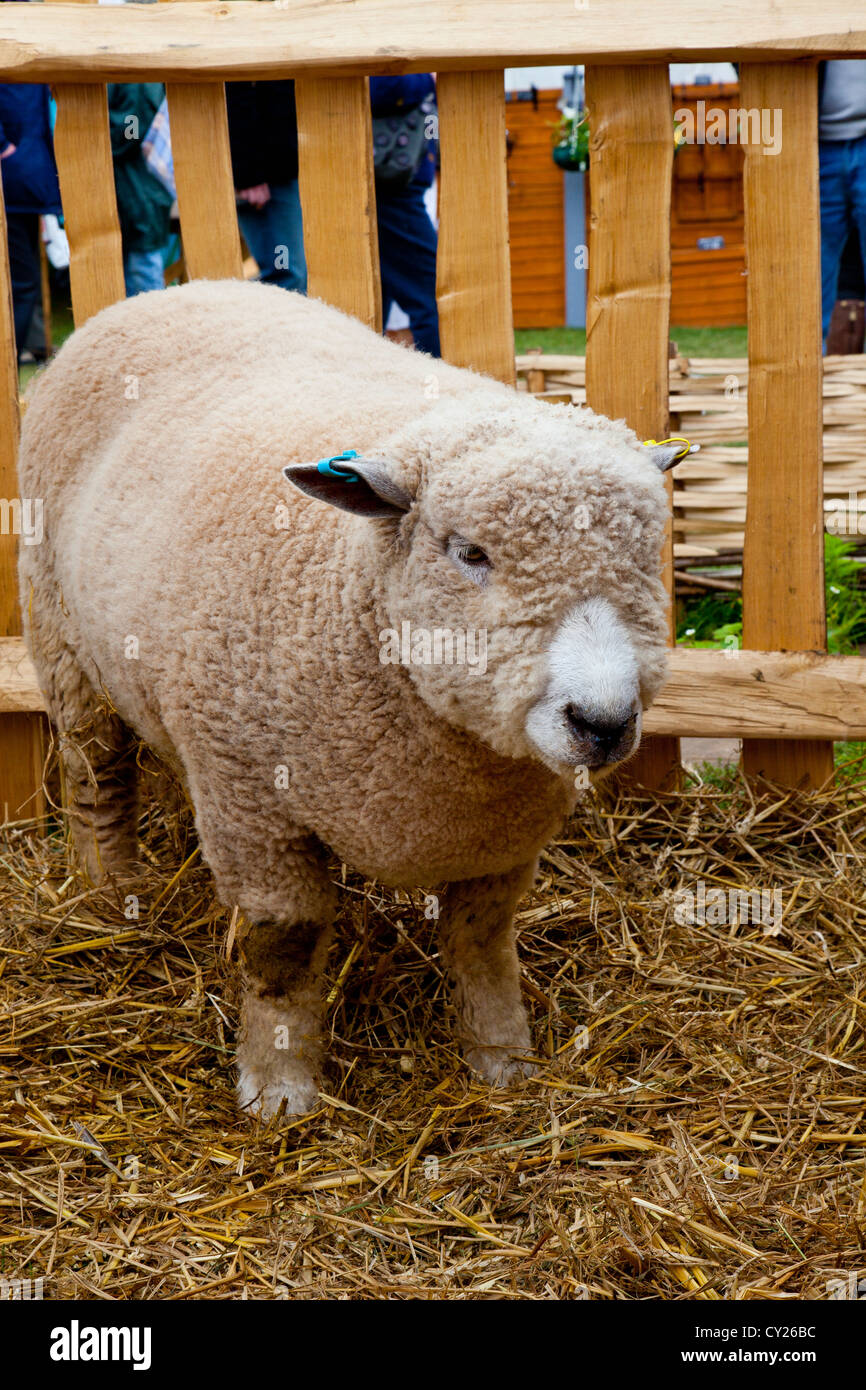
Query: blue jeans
[[275, 236], [843, 205], [22, 231], [142, 271], [407, 260]]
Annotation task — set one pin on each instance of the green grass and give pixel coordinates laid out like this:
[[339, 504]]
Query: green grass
[[692, 342], [712, 342], [570, 342]]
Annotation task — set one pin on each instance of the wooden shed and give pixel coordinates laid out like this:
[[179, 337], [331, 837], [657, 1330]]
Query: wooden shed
[[708, 255], [536, 210], [708, 287]]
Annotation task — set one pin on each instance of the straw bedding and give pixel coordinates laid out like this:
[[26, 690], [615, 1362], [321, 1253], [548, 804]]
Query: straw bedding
[[697, 1129]]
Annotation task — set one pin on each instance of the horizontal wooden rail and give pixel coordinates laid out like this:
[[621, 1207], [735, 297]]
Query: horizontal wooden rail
[[710, 694], [784, 695], [189, 42], [19, 689]]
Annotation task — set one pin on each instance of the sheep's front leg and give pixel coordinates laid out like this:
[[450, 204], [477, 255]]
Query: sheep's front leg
[[478, 949], [280, 1047]]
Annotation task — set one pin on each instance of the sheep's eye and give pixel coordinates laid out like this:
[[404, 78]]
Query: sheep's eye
[[471, 555], [470, 559]]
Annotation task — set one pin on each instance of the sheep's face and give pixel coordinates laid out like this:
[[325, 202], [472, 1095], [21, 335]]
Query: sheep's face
[[518, 578]]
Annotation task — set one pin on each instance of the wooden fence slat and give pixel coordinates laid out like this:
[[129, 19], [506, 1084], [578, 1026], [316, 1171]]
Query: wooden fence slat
[[193, 42], [783, 554], [628, 304], [83, 148], [473, 270], [338, 199], [21, 734], [203, 177]]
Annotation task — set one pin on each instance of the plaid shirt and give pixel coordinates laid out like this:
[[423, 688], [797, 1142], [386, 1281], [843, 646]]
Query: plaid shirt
[[156, 147]]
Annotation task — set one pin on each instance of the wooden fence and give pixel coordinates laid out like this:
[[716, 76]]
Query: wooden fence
[[785, 697]]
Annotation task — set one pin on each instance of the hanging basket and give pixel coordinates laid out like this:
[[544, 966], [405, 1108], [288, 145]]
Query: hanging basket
[[571, 142], [566, 158]]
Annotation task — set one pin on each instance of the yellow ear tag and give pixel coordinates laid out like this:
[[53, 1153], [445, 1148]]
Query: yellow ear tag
[[677, 439]]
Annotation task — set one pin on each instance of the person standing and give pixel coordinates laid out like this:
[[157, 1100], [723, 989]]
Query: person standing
[[842, 160], [30, 189], [263, 136], [407, 237], [143, 203]]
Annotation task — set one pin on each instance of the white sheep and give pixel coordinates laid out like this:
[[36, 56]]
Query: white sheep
[[297, 658]]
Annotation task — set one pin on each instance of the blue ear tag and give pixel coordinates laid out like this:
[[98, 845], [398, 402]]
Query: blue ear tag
[[345, 475]]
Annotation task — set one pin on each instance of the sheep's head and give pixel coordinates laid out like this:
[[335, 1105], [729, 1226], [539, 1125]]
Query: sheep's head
[[516, 571]]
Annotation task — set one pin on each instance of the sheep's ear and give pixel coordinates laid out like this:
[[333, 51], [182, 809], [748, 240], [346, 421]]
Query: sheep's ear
[[359, 485], [664, 456]]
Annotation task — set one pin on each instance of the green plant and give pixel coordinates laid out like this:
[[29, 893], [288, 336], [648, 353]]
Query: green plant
[[850, 761], [713, 618], [709, 619], [846, 601], [571, 140]]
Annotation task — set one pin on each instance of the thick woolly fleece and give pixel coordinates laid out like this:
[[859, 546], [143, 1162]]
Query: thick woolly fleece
[[157, 439], [235, 624]]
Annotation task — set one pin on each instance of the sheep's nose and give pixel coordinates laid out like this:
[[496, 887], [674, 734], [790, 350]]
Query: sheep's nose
[[603, 742]]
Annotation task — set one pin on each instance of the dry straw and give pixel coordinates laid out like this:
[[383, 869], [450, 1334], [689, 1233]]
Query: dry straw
[[697, 1128]]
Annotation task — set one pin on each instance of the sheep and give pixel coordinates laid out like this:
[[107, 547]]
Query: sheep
[[258, 516]]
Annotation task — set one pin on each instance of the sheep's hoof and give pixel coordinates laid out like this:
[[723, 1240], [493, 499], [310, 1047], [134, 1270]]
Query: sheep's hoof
[[261, 1098], [499, 1066]]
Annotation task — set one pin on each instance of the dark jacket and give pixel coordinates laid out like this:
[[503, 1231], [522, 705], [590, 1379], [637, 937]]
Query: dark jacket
[[142, 202], [388, 95], [30, 174], [391, 95], [263, 132]]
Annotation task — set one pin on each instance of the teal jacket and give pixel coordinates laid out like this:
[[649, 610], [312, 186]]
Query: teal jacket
[[142, 202]]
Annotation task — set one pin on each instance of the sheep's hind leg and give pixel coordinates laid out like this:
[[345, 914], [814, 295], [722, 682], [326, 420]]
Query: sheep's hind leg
[[479, 952], [100, 775]]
